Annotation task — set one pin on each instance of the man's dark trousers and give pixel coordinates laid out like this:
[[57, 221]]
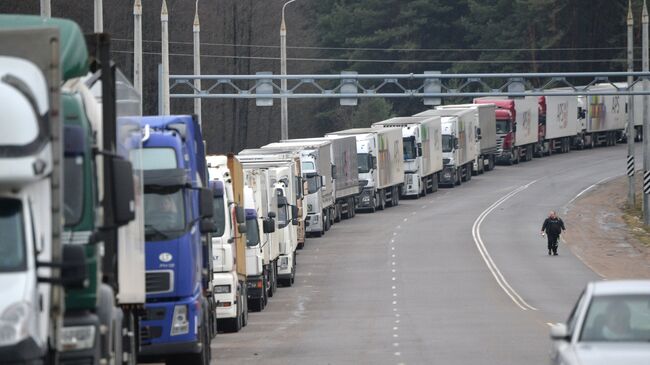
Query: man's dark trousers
[[552, 243]]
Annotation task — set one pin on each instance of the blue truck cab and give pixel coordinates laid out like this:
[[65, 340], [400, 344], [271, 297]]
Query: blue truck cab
[[179, 320]]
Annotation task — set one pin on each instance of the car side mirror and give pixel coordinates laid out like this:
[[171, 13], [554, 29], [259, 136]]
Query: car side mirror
[[268, 225], [206, 203], [559, 332], [207, 226], [123, 191], [74, 273]]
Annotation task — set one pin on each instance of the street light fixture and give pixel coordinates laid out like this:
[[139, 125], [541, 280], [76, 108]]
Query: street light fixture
[[284, 117]]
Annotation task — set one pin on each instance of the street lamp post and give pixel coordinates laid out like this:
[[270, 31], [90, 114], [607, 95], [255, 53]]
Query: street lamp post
[[284, 111], [630, 115], [196, 29]]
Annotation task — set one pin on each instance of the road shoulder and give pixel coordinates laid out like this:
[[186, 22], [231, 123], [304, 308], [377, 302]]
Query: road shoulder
[[598, 234]]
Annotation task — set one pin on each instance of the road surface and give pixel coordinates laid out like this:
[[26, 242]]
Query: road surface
[[458, 277]]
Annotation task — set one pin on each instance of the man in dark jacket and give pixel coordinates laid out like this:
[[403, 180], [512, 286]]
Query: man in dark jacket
[[553, 227]]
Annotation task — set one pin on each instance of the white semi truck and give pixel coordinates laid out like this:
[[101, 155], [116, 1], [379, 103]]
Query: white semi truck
[[229, 242], [486, 133], [605, 117], [558, 121], [316, 166], [517, 129], [344, 172], [422, 142], [285, 187], [459, 144], [380, 158]]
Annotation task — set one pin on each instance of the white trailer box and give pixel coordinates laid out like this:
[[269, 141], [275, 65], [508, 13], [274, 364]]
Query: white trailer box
[[422, 141], [487, 133], [459, 143], [380, 159], [345, 172], [561, 116]]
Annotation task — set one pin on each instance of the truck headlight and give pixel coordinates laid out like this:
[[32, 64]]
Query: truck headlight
[[222, 289], [14, 323], [77, 338], [180, 324], [365, 199]]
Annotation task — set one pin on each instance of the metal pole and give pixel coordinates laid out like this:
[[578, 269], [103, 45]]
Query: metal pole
[[630, 114], [284, 110], [646, 129], [164, 19], [99, 16], [137, 48], [46, 8], [196, 29]]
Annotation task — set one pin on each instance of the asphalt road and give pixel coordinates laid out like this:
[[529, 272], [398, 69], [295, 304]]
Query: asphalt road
[[458, 277]]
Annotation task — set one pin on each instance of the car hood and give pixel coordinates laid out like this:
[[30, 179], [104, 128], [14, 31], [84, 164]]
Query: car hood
[[613, 353]]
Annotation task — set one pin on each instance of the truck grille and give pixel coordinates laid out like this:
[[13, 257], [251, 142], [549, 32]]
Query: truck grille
[[445, 161], [154, 314], [159, 282], [500, 143], [148, 333]]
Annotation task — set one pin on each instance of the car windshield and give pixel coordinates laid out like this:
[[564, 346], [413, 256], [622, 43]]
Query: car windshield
[[252, 232], [12, 239], [617, 318], [447, 143], [73, 193], [364, 161], [410, 151], [164, 214], [503, 126], [219, 217], [313, 183]]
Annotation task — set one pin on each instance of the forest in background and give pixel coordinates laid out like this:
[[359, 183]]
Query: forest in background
[[367, 36]]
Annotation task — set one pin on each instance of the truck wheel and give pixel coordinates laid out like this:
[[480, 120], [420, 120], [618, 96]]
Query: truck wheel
[[382, 201], [468, 171], [434, 183], [395, 198], [202, 358]]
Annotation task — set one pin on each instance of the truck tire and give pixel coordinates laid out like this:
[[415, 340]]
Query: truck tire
[[395, 197], [457, 179], [273, 279], [434, 183], [382, 200]]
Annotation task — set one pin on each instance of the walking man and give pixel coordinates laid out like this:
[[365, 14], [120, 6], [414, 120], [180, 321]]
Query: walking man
[[552, 227]]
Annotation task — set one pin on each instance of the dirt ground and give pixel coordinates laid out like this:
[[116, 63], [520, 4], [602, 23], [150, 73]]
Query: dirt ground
[[605, 235]]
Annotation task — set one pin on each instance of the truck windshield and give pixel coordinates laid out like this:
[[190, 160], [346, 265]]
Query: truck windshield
[[503, 126], [12, 239], [156, 158], [219, 217], [364, 161], [447, 143], [307, 166], [410, 150], [164, 214], [252, 232], [73, 193], [313, 183]]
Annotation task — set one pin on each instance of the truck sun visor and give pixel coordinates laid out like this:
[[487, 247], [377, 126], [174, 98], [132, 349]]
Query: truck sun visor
[[251, 214], [166, 178]]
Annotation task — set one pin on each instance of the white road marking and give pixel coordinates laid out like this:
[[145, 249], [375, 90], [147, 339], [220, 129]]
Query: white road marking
[[398, 227], [394, 302], [549, 324], [480, 245], [395, 344], [589, 188], [405, 219], [395, 335], [397, 354]]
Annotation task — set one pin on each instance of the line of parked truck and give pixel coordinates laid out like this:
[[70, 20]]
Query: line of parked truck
[[122, 240]]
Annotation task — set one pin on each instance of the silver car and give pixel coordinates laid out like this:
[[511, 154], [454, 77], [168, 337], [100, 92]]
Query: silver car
[[610, 324]]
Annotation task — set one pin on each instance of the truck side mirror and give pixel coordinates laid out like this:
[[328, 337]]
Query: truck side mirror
[[206, 209], [240, 215], [207, 226], [478, 134], [514, 128], [322, 182], [333, 171], [272, 215], [419, 152], [374, 163], [268, 225], [123, 191], [241, 227], [74, 273], [456, 143], [294, 211]]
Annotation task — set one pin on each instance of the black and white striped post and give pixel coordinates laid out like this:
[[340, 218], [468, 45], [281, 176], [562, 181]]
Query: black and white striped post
[[646, 182], [630, 165], [646, 127]]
